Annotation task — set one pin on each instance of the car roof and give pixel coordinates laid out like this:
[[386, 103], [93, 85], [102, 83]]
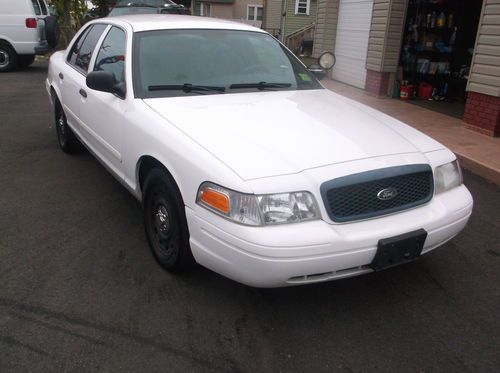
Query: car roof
[[150, 22]]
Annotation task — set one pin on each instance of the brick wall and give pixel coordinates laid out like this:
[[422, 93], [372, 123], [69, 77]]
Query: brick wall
[[376, 82], [482, 113]]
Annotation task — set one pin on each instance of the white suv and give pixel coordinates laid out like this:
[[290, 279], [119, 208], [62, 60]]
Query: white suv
[[26, 29]]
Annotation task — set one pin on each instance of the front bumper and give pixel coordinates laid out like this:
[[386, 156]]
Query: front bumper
[[316, 251]]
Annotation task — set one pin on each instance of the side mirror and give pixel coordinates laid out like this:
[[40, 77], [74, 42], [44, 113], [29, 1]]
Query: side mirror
[[317, 71], [326, 61], [105, 81]]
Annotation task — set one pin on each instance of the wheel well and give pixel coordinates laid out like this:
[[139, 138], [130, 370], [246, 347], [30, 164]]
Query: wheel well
[[54, 95], [146, 164], [5, 42], [55, 99]]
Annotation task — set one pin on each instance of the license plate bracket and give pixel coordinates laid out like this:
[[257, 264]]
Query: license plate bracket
[[400, 249]]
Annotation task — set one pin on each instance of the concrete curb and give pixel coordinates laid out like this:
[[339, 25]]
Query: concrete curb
[[479, 168], [42, 58]]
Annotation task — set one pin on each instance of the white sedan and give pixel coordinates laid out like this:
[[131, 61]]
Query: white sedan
[[243, 162]]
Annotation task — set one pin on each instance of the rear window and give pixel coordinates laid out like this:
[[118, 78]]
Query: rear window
[[151, 3], [36, 7], [43, 7], [120, 11]]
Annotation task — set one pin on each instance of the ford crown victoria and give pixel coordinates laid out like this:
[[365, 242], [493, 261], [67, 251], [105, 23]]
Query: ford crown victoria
[[243, 162]]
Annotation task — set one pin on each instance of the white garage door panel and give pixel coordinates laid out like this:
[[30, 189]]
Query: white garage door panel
[[354, 15], [349, 70], [351, 44]]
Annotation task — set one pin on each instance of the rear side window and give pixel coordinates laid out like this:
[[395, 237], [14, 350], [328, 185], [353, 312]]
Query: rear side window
[[77, 45], [111, 55], [81, 53], [36, 7]]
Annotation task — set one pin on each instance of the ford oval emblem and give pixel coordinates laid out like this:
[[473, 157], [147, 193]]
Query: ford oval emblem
[[387, 194]]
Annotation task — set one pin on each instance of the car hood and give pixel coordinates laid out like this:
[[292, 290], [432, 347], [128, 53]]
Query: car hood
[[267, 133]]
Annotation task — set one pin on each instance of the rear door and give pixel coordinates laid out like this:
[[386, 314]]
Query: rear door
[[41, 11], [72, 76]]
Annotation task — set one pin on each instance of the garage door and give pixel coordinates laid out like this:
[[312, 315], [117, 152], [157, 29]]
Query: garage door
[[351, 43]]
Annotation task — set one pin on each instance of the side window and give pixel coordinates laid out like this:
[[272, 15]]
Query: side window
[[36, 7], [111, 55], [77, 45], [84, 54], [302, 7]]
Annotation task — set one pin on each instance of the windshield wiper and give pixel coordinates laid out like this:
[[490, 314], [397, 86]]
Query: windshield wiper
[[187, 87], [261, 85]]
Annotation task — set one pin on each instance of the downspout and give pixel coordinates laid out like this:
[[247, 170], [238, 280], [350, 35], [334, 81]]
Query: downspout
[[264, 15], [282, 18]]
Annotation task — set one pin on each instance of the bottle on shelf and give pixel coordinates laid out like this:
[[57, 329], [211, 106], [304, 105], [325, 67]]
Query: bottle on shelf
[[433, 19], [414, 34], [453, 37], [450, 20], [428, 23], [441, 20]]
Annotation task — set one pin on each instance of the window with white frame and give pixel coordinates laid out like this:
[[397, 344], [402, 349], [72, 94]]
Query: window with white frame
[[302, 7], [255, 12]]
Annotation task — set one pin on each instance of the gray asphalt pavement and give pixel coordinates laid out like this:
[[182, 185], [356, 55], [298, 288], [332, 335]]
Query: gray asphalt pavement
[[80, 291]]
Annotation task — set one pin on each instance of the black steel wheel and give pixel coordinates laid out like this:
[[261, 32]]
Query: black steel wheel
[[165, 222], [65, 136]]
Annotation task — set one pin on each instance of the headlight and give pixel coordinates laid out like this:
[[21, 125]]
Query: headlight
[[258, 210], [447, 176]]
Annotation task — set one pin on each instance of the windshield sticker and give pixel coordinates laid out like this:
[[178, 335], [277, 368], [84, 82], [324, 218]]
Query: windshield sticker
[[304, 77]]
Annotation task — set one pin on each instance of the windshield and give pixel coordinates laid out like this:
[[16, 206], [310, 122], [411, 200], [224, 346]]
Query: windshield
[[188, 62]]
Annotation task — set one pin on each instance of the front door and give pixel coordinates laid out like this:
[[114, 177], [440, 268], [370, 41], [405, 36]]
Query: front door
[[102, 113]]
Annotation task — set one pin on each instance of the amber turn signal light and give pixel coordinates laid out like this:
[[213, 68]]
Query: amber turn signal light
[[217, 200]]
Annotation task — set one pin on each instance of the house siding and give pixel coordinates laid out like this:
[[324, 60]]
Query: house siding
[[272, 15], [240, 7], [485, 69], [294, 22], [224, 11], [386, 33], [326, 26]]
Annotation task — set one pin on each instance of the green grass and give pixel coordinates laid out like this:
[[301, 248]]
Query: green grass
[[308, 61]]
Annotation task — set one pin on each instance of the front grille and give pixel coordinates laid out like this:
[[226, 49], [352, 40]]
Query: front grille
[[378, 192]]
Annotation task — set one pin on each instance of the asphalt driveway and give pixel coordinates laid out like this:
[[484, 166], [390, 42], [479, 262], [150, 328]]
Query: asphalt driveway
[[80, 291]]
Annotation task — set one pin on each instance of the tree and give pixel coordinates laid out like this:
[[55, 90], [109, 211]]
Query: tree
[[104, 5], [70, 14]]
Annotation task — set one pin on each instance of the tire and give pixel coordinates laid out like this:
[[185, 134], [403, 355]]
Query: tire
[[67, 140], [52, 31], [165, 222], [25, 60], [8, 58]]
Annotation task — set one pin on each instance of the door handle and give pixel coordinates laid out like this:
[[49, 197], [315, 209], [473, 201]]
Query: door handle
[[61, 76], [83, 93]]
